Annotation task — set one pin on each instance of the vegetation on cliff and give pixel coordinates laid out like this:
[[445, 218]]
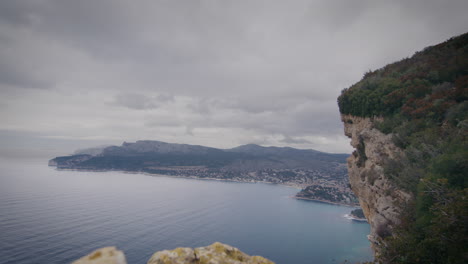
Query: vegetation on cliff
[[358, 213], [422, 102], [330, 194], [424, 86]]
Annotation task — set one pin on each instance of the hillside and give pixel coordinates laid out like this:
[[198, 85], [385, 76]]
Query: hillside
[[408, 122], [146, 154], [300, 168]]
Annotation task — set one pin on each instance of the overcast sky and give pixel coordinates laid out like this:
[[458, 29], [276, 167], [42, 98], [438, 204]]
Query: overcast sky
[[215, 73]]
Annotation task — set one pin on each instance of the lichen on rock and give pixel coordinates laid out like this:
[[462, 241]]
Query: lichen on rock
[[107, 255], [176, 256], [216, 253]]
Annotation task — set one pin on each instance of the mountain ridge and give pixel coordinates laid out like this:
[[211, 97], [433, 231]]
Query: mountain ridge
[[299, 168], [155, 150], [241, 148]]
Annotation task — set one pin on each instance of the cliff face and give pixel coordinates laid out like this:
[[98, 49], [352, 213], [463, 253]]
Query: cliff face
[[378, 196]]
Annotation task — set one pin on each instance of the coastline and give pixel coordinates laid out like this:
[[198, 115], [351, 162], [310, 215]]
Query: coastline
[[290, 185], [178, 176], [351, 217]]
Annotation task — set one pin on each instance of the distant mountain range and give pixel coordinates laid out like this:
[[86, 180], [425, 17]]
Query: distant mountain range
[[323, 176], [144, 155]]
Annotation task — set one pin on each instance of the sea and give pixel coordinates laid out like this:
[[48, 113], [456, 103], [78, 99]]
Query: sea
[[57, 216]]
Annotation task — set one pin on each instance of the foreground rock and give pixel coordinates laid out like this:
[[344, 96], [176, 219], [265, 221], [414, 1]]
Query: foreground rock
[[107, 255], [216, 253]]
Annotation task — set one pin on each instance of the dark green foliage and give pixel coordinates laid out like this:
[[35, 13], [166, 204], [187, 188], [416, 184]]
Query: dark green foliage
[[138, 162], [438, 233], [358, 213], [423, 102], [387, 125], [457, 113], [403, 173], [361, 151], [422, 86], [327, 193]]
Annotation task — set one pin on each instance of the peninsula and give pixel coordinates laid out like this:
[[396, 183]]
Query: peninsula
[[322, 176]]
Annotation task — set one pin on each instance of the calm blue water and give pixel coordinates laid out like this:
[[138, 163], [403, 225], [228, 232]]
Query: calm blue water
[[49, 216]]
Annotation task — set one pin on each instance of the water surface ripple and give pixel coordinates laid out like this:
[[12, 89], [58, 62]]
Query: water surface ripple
[[50, 216]]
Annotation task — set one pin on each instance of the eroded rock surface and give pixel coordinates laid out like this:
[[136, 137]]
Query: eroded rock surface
[[378, 196]]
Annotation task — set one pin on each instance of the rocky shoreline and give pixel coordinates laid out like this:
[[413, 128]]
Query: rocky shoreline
[[351, 217]]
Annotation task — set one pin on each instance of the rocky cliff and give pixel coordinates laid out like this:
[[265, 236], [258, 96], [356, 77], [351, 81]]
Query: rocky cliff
[[216, 253], [408, 122], [378, 196]]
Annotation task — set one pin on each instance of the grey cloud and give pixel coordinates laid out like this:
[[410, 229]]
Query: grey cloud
[[17, 71], [18, 12], [265, 103], [144, 31], [339, 14], [165, 98], [204, 105], [141, 101], [13, 76], [257, 68], [290, 140], [256, 103], [307, 118], [299, 118], [164, 120], [189, 130]]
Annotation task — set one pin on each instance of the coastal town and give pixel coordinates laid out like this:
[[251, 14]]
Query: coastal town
[[329, 185]]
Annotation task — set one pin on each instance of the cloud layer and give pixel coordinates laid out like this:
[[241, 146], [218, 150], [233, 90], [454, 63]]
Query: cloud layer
[[217, 73]]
